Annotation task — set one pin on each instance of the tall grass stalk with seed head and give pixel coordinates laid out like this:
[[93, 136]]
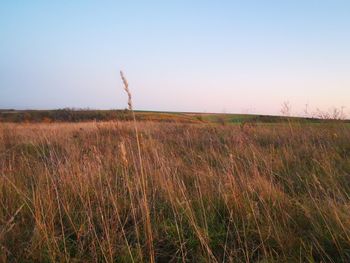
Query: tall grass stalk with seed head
[[148, 224]]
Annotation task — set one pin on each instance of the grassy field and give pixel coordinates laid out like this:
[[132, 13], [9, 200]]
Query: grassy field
[[174, 192]]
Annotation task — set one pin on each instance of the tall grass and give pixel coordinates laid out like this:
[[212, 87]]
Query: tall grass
[[199, 193], [142, 182]]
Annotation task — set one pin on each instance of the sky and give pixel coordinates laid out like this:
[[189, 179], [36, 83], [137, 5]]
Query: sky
[[245, 56]]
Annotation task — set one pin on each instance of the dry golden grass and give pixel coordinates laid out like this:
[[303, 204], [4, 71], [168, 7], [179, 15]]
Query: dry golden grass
[[90, 192]]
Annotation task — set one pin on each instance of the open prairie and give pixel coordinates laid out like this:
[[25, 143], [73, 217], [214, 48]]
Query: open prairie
[[175, 131], [174, 192]]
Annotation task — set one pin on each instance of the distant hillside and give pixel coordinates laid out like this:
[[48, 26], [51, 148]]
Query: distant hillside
[[82, 115]]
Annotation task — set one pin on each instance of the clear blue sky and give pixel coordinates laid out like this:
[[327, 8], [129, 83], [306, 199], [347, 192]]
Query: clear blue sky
[[213, 56]]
